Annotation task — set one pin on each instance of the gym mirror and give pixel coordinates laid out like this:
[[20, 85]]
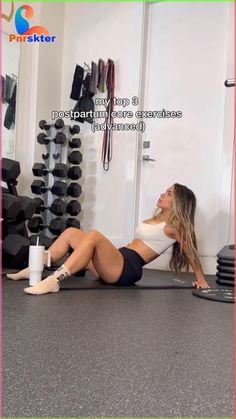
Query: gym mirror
[[10, 67]]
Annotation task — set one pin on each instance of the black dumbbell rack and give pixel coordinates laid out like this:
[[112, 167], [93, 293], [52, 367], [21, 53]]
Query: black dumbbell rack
[[15, 211], [61, 151]]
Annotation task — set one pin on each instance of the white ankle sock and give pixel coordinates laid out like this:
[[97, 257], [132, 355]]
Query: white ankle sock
[[51, 283], [24, 273]]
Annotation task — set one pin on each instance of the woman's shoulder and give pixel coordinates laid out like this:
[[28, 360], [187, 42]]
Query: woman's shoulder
[[148, 221], [171, 231]]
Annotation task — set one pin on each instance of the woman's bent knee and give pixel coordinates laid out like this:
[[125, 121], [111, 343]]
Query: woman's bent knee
[[71, 232], [94, 234]]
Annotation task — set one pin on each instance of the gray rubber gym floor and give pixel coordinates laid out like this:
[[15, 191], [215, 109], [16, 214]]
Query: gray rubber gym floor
[[159, 353]]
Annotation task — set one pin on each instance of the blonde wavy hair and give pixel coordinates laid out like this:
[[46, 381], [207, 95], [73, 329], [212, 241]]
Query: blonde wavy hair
[[181, 216]]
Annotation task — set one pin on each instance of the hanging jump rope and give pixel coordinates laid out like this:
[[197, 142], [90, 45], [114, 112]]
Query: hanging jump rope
[[107, 145]]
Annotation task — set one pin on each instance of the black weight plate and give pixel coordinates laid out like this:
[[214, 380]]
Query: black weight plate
[[225, 282], [227, 252], [227, 269], [223, 275], [223, 295], [225, 262]]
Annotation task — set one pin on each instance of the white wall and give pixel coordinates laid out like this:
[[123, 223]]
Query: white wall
[[93, 31]]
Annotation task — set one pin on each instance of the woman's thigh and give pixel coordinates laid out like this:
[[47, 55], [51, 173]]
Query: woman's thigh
[[107, 259], [75, 237]]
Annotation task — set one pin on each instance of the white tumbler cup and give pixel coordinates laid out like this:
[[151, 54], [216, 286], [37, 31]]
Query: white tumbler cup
[[36, 263]]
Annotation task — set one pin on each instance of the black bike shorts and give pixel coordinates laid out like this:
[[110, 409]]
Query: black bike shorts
[[133, 267]]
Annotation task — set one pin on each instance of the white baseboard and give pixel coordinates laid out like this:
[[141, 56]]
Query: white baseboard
[[162, 263]]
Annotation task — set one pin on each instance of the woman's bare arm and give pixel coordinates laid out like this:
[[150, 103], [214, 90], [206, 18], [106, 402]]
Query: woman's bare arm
[[195, 264]]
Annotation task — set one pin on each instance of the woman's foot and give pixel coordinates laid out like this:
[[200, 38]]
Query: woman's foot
[[24, 274], [49, 284]]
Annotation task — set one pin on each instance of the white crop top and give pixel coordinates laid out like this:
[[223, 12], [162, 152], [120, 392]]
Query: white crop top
[[153, 236]]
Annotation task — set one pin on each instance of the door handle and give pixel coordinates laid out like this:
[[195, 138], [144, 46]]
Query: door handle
[[230, 82], [146, 157]]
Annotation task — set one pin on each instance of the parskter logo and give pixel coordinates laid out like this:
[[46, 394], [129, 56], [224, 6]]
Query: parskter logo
[[27, 33]]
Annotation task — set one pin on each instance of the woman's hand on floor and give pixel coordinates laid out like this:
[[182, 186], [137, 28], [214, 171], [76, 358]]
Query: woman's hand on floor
[[200, 283]]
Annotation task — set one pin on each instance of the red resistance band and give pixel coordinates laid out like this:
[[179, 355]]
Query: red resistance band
[[107, 135]]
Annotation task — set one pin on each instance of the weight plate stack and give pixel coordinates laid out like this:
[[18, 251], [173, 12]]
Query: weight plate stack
[[225, 266]]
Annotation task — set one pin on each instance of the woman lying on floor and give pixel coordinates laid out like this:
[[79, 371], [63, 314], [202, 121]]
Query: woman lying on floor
[[171, 225]]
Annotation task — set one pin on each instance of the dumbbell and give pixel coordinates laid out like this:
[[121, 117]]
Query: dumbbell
[[17, 208], [75, 157], [60, 138], [43, 240], [59, 188], [58, 207], [15, 251], [27, 208], [73, 207], [59, 124], [72, 222], [75, 129], [44, 125], [75, 142], [74, 173], [10, 206], [74, 190], [60, 170], [56, 226], [13, 227], [10, 170]]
